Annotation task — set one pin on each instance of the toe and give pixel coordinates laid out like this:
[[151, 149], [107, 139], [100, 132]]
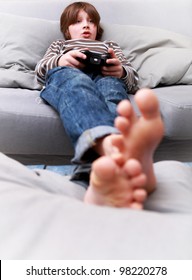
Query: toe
[[133, 168], [104, 168], [147, 103]]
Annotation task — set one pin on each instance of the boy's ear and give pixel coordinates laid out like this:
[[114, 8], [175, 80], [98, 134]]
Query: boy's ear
[[67, 35]]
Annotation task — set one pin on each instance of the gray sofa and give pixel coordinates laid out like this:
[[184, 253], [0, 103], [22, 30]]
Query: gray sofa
[[156, 35]]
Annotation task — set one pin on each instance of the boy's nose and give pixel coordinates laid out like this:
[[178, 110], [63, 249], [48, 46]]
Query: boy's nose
[[85, 24]]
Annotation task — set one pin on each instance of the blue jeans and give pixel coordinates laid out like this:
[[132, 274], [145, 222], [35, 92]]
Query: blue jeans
[[86, 103]]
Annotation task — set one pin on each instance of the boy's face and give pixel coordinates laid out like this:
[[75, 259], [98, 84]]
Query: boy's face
[[84, 28]]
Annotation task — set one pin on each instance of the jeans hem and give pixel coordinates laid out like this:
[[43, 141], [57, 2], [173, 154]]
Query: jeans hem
[[88, 140]]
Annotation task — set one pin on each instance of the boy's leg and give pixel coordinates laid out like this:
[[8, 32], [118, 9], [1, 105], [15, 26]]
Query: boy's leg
[[75, 96], [78, 98], [113, 91]]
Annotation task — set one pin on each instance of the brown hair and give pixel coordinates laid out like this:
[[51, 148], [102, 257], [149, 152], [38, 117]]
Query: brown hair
[[70, 14]]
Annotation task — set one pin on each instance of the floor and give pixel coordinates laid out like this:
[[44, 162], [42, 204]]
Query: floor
[[61, 169]]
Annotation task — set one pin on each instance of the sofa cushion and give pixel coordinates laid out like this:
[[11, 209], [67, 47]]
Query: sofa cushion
[[23, 42], [39, 136], [161, 57]]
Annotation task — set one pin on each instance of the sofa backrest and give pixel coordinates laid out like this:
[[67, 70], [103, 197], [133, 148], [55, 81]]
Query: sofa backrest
[[167, 14]]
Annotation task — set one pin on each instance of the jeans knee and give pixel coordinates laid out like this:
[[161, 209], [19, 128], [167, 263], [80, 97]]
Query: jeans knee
[[62, 73], [113, 87], [112, 82]]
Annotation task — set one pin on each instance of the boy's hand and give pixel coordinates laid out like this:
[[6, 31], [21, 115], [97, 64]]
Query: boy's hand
[[70, 59], [114, 67]]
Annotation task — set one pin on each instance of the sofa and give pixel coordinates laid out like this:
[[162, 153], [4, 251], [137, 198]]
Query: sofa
[[156, 36]]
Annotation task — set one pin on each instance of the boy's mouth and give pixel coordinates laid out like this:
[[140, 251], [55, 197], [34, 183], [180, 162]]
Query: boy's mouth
[[86, 34]]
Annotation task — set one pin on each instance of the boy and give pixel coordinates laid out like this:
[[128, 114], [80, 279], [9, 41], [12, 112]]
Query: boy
[[84, 96]]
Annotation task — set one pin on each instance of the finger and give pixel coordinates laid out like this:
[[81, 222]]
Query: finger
[[111, 62], [78, 54], [112, 53], [111, 73]]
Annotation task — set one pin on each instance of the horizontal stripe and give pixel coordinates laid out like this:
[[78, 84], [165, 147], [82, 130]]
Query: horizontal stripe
[[60, 47]]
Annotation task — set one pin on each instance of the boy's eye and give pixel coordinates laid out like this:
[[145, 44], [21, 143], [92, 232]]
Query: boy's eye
[[79, 20]]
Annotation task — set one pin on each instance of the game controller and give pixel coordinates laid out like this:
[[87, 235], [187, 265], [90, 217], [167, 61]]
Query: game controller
[[94, 58]]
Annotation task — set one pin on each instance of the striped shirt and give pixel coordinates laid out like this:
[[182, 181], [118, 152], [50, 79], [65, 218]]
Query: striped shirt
[[60, 47]]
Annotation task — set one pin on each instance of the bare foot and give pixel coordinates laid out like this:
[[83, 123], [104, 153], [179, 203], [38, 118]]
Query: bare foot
[[114, 185], [124, 176], [140, 136]]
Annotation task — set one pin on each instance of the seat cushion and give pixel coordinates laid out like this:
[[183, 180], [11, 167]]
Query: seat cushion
[[30, 127]]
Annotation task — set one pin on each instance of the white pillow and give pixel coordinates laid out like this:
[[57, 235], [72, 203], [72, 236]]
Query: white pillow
[[161, 57]]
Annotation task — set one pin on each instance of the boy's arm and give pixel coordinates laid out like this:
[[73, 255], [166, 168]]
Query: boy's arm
[[130, 74], [49, 61]]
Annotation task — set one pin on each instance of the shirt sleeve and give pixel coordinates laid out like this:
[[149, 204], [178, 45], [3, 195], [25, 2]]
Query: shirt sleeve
[[131, 77], [49, 61]]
